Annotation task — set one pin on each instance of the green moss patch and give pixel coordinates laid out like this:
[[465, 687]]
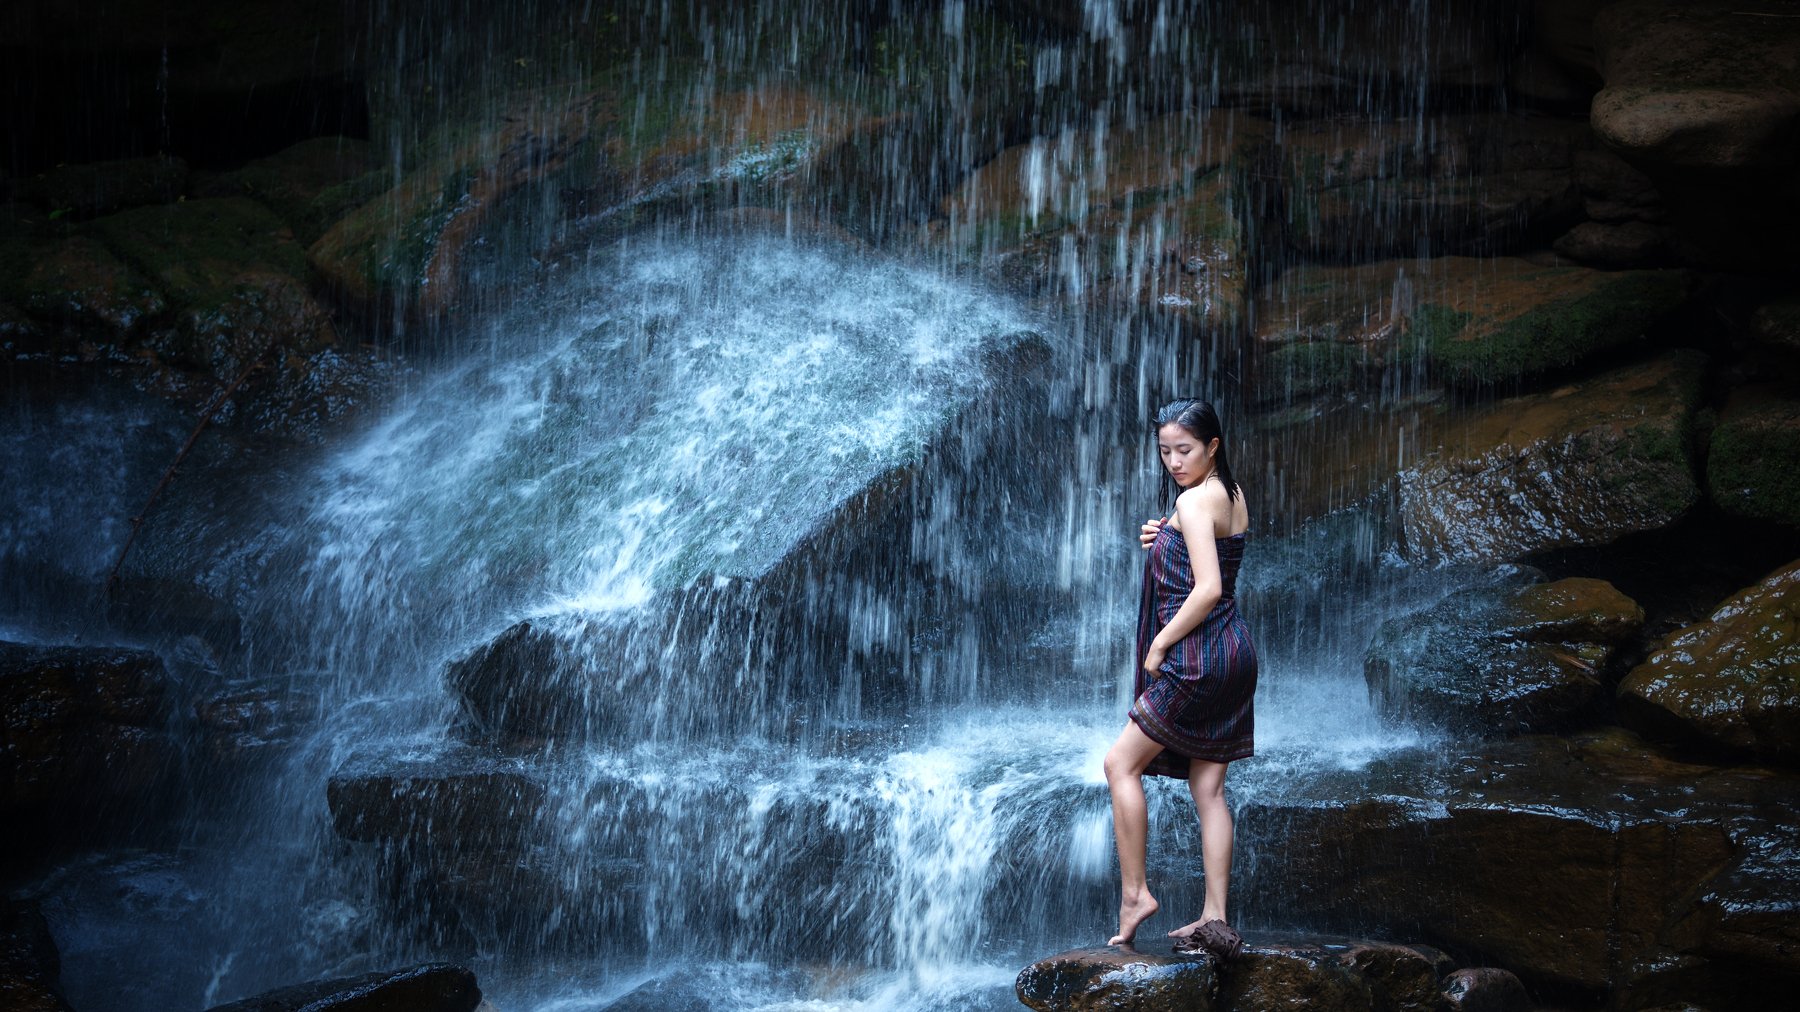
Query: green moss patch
[[1753, 467]]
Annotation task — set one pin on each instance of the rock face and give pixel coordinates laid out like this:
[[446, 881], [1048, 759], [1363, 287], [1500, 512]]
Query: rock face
[[83, 738], [428, 987], [1732, 680], [1362, 190], [1485, 663], [1588, 862], [1582, 465], [1753, 466]]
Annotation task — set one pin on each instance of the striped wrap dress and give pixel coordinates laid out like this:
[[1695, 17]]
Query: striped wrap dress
[[1200, 703]]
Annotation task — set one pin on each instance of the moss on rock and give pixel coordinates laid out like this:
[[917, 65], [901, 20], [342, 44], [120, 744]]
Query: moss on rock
[[1753, 467]]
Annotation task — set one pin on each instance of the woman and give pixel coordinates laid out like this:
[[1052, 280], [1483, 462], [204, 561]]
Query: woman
[[1195, 676]]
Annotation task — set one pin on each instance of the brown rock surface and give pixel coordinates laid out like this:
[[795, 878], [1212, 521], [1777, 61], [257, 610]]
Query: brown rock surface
[[1732, 680], [1581, 465], [1522, 660], [1588, 862]]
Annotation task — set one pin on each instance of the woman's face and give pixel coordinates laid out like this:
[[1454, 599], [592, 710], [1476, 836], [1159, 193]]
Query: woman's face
[[1187, 459]]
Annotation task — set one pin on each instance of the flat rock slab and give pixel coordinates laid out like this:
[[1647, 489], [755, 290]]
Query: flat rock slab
[[1585, 862], [428, 987], [1116, 979], [1275, 971]]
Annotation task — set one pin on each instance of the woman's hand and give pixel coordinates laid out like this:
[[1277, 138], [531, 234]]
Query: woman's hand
[[1149, 532], [1153, 657]]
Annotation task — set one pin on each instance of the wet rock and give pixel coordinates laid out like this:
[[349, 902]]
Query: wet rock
[[1119, 978], [1173, 191], [1274, 971], [83, 745], [1731, 681], [456, 797], [1363, 190], [1582, 465], [1478, 321], [1482, 662], [251, 722], [1753, 465], [1485, 989], [1627, 244], [29, 963], [1703, 85], [1579, 862], [90, 188], [310, 185], [427, 987]]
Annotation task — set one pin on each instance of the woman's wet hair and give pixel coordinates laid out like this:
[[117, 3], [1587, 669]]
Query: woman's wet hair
[[1201, 421]]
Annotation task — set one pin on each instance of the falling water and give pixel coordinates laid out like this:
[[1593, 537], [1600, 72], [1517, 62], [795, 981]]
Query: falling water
[[825, 557]]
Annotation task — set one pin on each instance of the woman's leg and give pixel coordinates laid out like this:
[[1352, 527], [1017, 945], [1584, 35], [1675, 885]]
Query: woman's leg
[[1125, 763], [1206, 782]]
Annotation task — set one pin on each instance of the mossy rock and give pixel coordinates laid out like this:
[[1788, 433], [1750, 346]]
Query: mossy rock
[[1464, 320], [1732, 680], [89, 188], [1542, 319], [1753, 468], [310, 185], [1485, 661], [1582, 465], [232, 274], [77, 284], [1300, 371]]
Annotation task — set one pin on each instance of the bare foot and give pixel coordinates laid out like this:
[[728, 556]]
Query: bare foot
[[1187, 930], [1133, 911]]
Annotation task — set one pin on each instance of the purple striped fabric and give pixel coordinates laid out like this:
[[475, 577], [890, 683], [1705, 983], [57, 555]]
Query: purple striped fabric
[[1199, 704]]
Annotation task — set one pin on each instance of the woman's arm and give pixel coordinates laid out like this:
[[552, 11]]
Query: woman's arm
[[1196, 509]]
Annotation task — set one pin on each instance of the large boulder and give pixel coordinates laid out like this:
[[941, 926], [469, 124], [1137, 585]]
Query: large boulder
[[1583, 863], [84, 745], [310, 185], [427, 987], [1753, 465], [1732, 681], [1530, 659], [1698, 85], [1705, 99], [1582, 465]]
